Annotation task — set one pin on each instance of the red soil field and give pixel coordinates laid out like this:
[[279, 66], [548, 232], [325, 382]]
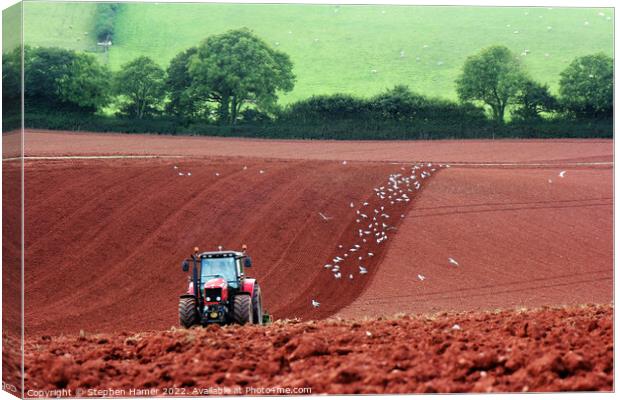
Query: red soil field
[[54, 143], [532, 351], [104, 241], [105, 238], [519, 241]]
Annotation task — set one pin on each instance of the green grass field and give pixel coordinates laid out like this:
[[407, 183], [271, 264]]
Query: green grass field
[[360, 50]]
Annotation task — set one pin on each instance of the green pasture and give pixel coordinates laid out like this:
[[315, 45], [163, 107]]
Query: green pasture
[[360, 50]]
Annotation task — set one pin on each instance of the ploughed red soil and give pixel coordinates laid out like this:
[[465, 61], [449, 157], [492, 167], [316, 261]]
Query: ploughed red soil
[[104, 240], [519, 240], [55, 143], [568, 349]]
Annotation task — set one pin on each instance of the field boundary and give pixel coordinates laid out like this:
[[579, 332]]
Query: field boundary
[[452, 164]]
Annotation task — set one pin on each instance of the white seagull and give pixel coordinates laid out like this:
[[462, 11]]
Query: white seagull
[[562, 173], [421, 277], [453, 261], [363, 271], [315, 304], [324, 216]]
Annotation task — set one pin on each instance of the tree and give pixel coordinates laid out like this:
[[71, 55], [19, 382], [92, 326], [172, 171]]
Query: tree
[[493, 77], [87, 84], [11, 76], [532, 100], [184, 100], [141, 82], [236, 68], [587, 86], [64, 79]]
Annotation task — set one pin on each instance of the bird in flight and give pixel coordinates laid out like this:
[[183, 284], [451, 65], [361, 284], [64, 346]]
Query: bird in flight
[[324, 216]]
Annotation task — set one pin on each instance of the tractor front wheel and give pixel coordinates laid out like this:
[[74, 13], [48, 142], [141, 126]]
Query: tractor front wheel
[[188, 314], [242, 309]]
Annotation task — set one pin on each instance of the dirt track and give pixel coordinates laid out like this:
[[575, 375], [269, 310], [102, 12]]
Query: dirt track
[[124, 225], [535, 351]]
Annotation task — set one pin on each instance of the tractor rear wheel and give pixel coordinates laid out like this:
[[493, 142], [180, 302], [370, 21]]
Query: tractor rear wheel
[[188, 314], [257, 303], [242, 309]]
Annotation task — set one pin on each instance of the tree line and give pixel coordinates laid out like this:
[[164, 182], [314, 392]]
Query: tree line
[[235, 79]]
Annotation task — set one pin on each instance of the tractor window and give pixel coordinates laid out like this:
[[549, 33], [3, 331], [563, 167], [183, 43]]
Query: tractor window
[[225, 267]]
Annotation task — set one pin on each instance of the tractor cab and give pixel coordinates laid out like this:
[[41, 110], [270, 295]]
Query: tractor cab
[[226, 266]]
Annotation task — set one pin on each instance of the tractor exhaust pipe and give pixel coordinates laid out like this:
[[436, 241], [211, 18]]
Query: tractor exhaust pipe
[[196, 281]]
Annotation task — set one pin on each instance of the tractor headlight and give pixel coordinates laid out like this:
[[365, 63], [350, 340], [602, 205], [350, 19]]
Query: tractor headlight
[[208, 298], [218, 298]]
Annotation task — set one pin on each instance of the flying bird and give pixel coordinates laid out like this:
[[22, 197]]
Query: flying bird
[[453, 261], [562, 173], [337, 275], [326, 218], [363, 271], [315, 304], [421, 277]]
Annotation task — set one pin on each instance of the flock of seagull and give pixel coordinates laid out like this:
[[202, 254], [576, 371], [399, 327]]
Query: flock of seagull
[[373, 221], [181, 173], [372, 224], [375, 218]]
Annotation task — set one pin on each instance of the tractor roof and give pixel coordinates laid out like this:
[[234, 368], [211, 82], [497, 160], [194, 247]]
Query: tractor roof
[[221, 254]]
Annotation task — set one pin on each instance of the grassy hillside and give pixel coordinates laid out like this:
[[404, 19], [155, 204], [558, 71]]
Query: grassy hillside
[[67, 25], [11, 27], [354, 49]]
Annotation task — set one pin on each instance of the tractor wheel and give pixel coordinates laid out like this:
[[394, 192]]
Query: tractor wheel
[[257, 303], [242, 309], [188, 315]]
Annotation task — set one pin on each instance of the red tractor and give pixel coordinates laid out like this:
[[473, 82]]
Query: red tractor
[[225, 294]]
